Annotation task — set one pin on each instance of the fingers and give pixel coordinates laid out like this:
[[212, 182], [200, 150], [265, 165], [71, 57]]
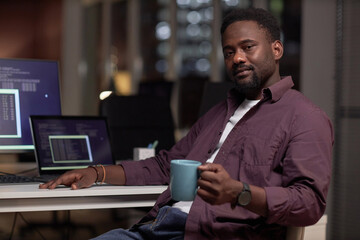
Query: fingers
[[60, 181], [52, 183], [208, 171], [75, 186], [214, 184], [82, 182], [207, 187], [46, 185], [213, 167], [212, 172], [208, 184], [207, 196], [75, 179], [210, 192]]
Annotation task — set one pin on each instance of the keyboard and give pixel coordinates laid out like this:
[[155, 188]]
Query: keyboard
[[9, 178]]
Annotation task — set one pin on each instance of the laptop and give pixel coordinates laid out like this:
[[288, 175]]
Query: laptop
[[63, 143]]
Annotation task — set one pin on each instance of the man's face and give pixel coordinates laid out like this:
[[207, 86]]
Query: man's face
[[250, 58]]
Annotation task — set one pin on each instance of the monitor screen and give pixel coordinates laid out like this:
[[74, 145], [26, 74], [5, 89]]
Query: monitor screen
[[27, 87]]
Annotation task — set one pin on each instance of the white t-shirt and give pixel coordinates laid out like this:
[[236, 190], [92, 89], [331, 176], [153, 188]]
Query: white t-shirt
[[245, 106]]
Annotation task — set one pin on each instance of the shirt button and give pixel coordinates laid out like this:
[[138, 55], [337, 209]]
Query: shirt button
[[209, 151]]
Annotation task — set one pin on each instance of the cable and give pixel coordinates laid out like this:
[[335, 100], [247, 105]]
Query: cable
[[13, 226], [27, 170], [36, 230]]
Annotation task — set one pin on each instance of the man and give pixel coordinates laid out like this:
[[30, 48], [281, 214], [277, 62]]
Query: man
[[266, 152]]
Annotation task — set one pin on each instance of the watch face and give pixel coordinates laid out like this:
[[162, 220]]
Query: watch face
[[244, 198]]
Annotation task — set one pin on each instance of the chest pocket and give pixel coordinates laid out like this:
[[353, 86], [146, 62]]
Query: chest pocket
[[258, 157], [257, 151]]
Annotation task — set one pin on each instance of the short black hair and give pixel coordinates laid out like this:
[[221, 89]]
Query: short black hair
[[262, 17]]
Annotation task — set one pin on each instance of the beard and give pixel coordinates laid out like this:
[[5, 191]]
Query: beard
[[249, 86]]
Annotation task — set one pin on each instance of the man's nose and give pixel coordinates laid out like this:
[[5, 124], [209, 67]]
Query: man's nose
[[239, 57]]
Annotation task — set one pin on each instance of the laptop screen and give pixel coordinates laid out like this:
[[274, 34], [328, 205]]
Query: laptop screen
[[67, 142]]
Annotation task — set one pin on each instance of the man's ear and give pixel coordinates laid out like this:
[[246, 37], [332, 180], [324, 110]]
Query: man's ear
[[278, 49]]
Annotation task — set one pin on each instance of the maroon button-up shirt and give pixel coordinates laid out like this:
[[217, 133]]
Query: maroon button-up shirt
[[283, 144]]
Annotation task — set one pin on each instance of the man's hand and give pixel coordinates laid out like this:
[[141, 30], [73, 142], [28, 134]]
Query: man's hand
[[76, 179], [216, 186]]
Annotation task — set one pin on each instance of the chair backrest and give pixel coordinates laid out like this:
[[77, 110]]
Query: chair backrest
[[213, 93], [295, 233], [136, 121], [156, 88]]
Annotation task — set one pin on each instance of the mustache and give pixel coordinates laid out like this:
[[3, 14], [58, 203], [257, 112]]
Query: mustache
[[241, 67]]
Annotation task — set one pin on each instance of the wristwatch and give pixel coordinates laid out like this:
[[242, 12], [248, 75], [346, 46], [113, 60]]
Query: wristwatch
[[244, 196]]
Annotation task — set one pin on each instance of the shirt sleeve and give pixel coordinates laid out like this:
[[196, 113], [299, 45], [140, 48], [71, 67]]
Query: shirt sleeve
[[301, 200], [156, 170]]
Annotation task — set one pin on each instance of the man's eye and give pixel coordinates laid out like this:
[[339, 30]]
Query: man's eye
[[228, 54]]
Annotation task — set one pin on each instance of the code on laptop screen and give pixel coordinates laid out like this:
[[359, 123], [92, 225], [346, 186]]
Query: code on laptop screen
[[75, 149], [69, 142]]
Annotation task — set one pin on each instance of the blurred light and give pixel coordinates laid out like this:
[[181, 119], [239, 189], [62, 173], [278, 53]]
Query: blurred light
[[276, 6], [208, 14], [163, 49], [205, 31], [194, 4], [232, 3], [183, 3], [202, 65], [163, 31], [205, 47], [193, 17], [193, 30], [190, 51], [203, 1], [83, 69], [161, 66], [122, 82], [104, 94], [114, 59]]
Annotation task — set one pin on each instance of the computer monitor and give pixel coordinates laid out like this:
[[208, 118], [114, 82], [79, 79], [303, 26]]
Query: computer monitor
[[27, 87]]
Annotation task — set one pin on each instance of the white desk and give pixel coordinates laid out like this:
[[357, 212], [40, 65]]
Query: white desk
[[28, 197]]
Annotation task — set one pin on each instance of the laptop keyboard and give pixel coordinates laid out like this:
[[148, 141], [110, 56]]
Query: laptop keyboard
[[10, 178]]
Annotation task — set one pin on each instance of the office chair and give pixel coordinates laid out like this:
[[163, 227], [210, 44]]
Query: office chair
[[190, 90], [213, 93], [295, 233], [160, 88], [136, 121]]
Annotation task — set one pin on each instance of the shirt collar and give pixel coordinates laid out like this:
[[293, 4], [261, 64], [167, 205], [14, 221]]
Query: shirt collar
[[277, 90], [274, 92]]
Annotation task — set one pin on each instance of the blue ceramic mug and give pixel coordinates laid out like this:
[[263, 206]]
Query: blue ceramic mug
[[183, 179]]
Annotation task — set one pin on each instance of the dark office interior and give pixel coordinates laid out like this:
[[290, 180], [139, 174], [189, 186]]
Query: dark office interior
[[163, 57]]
